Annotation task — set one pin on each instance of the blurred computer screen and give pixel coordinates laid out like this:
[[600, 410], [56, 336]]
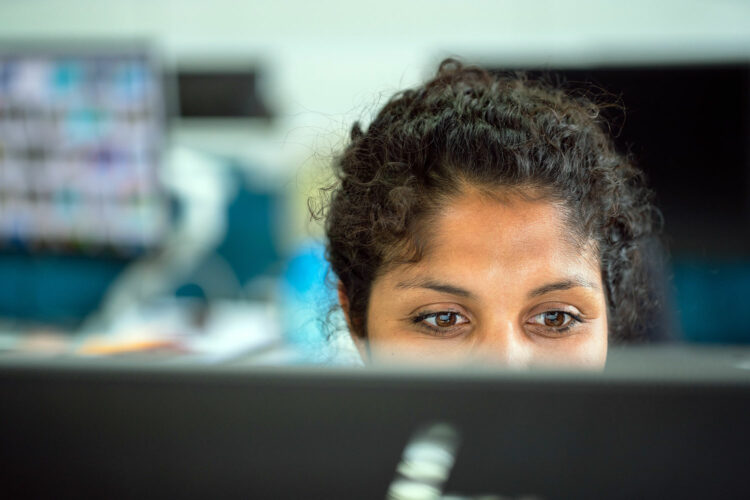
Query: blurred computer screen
[[80, 137], [686, 126]]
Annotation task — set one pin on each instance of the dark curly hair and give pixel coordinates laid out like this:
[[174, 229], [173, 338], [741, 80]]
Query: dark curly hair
[[466, 126]]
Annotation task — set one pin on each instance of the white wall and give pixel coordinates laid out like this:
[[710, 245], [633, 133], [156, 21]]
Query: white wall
[[328, 56]]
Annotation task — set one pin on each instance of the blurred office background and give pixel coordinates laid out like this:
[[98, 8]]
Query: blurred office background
[[156, 158]]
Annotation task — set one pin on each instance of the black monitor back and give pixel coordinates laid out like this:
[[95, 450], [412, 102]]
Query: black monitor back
[[197, 432]]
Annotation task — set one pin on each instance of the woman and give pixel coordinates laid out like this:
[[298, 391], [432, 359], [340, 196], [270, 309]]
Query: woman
[[488, 218]]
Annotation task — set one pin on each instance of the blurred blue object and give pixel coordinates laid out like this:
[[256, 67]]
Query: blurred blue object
[[246, 251], [307, 300], [59, 290], [712, 300], [250, 246]]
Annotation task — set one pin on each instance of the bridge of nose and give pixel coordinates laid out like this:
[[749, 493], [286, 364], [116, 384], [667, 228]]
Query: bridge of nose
[[503, 341]]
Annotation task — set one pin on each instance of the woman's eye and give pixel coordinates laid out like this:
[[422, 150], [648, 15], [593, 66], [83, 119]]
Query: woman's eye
[[557, 320], [442, 319]]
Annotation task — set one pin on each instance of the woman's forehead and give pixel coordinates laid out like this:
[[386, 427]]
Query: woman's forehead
[[514, 227], [514, 239]]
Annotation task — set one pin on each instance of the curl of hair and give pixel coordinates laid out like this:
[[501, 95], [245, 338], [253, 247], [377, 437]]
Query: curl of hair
[[468, 126]]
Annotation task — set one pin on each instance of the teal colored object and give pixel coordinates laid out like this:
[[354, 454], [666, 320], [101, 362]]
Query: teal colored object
[[713, 300], [250, 246], [57, 290], [67, 76]]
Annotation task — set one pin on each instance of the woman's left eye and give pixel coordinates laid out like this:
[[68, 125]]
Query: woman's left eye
[[557, 320]]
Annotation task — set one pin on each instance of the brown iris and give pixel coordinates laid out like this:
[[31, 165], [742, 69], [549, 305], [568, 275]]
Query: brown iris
[[555, 319], [446, 319]]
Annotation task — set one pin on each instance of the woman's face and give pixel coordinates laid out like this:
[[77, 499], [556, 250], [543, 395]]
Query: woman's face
[[502, 281]]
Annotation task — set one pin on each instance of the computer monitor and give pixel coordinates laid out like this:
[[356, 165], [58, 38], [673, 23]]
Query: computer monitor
[[679, 121], [660, 427], [81, 131]]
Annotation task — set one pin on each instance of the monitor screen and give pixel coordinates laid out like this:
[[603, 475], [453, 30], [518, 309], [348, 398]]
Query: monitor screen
[[686, 127], [80, 139]]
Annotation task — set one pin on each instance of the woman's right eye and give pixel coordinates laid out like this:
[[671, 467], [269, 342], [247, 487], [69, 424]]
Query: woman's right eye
[[442, 320]]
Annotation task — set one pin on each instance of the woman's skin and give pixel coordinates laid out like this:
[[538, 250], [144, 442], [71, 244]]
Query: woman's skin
[[503, 281]]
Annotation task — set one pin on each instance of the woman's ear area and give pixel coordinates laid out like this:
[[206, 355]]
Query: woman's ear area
[[359, 342], [344, 303]]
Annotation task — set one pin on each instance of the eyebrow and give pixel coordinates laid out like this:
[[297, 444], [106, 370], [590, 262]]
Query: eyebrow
[[430, 284], [565, 284], [437, 286]]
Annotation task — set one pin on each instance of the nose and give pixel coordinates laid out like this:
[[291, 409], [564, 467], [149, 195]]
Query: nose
[[504, 343]]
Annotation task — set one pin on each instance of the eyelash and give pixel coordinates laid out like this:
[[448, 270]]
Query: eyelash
[[574, 320], [445, 331], [420, 317]]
